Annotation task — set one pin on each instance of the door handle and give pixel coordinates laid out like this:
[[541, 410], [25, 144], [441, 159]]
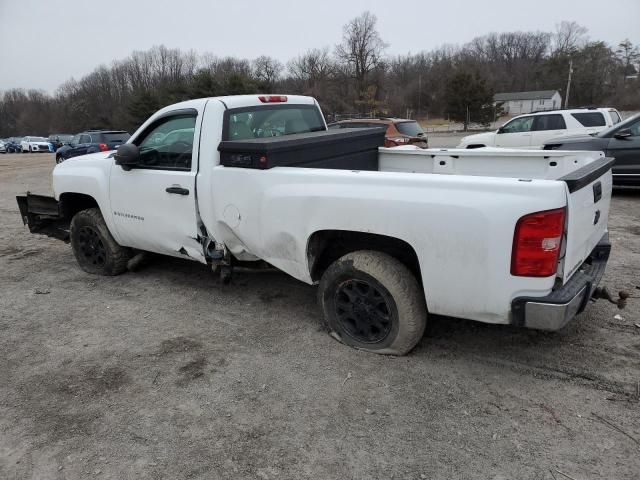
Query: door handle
[[177, 190]]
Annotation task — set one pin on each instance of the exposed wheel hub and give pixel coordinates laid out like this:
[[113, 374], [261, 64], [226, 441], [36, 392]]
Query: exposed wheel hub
[[362, 311], [91, 246]]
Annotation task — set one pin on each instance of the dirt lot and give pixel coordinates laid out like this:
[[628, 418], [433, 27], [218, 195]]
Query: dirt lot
[[166, 373]]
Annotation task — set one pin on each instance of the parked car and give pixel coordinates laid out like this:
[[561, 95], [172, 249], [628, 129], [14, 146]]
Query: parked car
[[534, 129], [12, 145], [34, 145], [91, 141], [3, 148], [621, 142], [59, 139], [391, 235], [399, 131]]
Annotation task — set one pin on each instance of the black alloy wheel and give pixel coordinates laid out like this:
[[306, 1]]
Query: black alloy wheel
[[363, 311], [91, 246]]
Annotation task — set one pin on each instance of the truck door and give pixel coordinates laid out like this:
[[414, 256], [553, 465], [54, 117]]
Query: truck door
[[546, 127], [626, 151], [83, 145], [516, 133], [154, 203]]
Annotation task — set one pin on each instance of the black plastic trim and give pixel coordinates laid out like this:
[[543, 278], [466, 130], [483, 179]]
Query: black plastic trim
[[173, 113], [587, 174]]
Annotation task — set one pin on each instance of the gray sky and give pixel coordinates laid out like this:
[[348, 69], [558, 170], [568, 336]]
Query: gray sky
[[45, 42]]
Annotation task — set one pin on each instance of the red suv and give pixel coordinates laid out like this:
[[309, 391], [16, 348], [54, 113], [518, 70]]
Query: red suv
[[399, 131]]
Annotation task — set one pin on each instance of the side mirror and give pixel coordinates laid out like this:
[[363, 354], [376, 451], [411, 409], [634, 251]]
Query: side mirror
[[624, 133], [127, 156], [501, 130]]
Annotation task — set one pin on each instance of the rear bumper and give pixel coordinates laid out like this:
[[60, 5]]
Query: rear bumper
[[559, 307]]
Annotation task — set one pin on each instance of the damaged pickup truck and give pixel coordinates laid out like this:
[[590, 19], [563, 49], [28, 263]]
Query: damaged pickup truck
[[390, 235]]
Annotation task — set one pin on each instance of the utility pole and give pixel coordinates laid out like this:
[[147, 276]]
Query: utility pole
[[419, 94], [566, 98]]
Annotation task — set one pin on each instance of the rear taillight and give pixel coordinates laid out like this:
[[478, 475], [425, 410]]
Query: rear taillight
[[272, 98], [103, 147], [536, 244]]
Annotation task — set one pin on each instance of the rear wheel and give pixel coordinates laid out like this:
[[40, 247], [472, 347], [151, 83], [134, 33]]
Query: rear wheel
[[371, 301], [95, 249]]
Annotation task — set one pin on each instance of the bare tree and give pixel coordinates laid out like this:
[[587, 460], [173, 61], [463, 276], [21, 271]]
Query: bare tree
[[629, 54], [313, 66], [361, 49], [568, 37], [267, 70]]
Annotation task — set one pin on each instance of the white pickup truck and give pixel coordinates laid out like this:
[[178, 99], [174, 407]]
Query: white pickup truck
[[390, 235]]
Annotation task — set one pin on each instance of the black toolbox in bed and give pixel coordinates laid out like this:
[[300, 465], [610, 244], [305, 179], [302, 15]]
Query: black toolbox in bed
[[346, 149]]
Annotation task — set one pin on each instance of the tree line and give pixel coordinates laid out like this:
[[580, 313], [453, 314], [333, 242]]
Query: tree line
[[354, 76]]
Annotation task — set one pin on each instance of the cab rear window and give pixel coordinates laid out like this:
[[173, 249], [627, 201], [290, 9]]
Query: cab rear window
[[590, 119], [271, 121]]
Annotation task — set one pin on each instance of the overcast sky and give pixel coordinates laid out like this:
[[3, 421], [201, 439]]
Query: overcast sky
[[45, 42]]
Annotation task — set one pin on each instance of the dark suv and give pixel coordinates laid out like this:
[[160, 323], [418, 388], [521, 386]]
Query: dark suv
[[622, 142], [91, 141]]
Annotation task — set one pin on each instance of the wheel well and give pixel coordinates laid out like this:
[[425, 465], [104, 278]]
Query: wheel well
[[326, 246], [72, 203]]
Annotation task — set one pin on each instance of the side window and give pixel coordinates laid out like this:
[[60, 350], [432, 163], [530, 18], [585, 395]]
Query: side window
[[85, 139], [518, 125], [590, 119], [549, 122], [75, 140], [615, 118], [635, 129], [168, 144]]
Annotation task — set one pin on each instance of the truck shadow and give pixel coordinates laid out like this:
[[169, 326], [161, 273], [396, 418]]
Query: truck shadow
[[274, 289], [574, 354]]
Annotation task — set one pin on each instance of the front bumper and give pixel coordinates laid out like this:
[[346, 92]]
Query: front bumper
[[558, 308], [44, 215]]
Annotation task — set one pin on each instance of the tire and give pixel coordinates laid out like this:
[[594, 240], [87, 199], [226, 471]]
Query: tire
[[93, 246], [58, 159], [372, 302]]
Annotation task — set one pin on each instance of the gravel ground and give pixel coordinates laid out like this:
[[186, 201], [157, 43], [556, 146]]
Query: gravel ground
[[166, 373]]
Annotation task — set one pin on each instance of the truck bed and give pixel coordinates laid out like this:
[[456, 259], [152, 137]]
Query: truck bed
[[486, 162]]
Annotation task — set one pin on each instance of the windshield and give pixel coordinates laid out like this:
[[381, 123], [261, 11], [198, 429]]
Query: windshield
[[38, 139], [271, 121], [619, 126], [412, 129]]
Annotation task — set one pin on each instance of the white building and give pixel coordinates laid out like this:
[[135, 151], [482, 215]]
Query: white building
[[516, 103]]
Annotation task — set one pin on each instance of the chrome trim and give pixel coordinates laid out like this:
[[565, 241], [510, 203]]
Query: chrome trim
[[552, 316]]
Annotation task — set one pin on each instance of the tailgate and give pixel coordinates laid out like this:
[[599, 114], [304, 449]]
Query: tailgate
[[589, 197]]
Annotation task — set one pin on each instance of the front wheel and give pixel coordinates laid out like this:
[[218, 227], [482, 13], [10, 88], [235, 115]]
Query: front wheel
[[372, 302], [95, 249]]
